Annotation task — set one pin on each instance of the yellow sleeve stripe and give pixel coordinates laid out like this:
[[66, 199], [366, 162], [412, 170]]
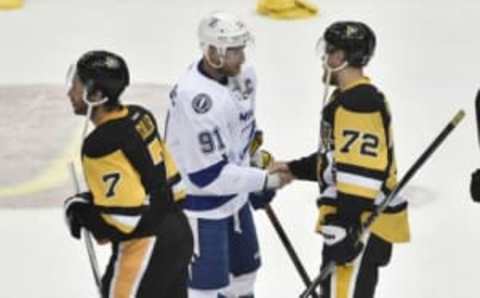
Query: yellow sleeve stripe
[[169, 162], [155, 149], [125, 224], [179, 191], [181, 195]]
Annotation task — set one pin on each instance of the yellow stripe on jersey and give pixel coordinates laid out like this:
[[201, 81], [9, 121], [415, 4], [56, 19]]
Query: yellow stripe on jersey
[[132, 255], [323, 211], [113, 181], [363, 142], [155, 149], [391, 227], [178, 188], [145, 126], [125, 224], [357, 190]]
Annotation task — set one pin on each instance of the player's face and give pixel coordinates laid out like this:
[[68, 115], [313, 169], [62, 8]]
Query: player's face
[[234, 58], [75, 93]]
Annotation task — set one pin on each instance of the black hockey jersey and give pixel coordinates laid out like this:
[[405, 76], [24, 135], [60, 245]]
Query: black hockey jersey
[[355, 165], [131, 174]]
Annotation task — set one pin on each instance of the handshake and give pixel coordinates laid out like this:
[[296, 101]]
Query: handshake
[[278, 175], [281, 171]]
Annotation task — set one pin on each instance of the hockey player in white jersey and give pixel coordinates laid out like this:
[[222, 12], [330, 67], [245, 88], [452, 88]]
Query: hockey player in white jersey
[[210, 127]]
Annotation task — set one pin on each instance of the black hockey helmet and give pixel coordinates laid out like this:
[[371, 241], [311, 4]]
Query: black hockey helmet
[[355, 38], [103, 71]]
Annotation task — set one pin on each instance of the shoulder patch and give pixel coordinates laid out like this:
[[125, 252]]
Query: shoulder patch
[[202, 103]]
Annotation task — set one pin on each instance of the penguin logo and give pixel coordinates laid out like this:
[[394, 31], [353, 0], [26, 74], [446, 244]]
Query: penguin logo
[[202, 103]]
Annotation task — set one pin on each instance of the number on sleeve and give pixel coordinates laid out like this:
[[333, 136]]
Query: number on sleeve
[[211, 141], [111, 180]]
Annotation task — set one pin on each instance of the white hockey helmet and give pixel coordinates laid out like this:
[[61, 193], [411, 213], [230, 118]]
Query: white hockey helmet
[[222, 31]]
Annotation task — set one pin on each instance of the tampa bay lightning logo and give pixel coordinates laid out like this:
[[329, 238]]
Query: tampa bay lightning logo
[[202, 103]]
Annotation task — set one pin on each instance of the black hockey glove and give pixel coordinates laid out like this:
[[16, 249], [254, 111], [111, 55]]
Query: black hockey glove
[[341, 243], [74, 207], [475, 186], [261, 199]]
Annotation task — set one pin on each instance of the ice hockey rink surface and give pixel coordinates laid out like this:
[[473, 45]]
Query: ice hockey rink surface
[[426, 63]]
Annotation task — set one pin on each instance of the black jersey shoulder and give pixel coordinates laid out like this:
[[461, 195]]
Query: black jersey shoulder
[[364, 98], [115, 134]]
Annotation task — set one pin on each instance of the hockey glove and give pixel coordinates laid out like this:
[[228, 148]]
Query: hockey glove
[[74, 207], [341, 243], [262, 159], [261, 199], [475, 186], [256, 142]]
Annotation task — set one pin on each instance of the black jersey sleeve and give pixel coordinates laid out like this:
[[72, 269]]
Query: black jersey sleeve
[[305, 168]]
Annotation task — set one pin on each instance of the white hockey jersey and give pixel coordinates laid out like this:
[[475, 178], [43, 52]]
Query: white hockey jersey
[[209, 129]]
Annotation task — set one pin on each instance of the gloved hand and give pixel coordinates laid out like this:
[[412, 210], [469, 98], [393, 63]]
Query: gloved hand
[[262, 159], [259, 158], [341, 243], [73, 207], [256, 143], [261, 199], [475, 186]]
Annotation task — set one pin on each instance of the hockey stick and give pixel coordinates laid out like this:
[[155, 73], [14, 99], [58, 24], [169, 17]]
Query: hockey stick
[[88, 238], [289, 247], [477, 113], [328, 269]]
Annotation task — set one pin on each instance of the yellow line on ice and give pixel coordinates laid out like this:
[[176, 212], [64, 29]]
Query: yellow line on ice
[[55, 174]]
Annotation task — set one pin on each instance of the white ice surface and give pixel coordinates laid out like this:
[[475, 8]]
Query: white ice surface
[[426, 62]]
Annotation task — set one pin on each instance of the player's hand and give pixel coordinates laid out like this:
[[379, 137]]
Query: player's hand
[[341, 243], [475, 186], [73, 208], [282, 168], [277, 180]]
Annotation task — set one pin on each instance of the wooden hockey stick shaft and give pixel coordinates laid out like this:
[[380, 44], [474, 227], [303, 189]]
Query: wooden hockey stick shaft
[[328, 269], [92, 257], [289, 247]]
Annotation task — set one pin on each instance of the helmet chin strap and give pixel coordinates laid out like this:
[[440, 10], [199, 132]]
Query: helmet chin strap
[[90, 106], [330, 71]]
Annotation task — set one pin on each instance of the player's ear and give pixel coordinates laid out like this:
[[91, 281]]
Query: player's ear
[[213, 55], [96, 96], [338, 57]]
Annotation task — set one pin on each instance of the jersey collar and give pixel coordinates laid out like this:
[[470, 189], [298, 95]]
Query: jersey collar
[[361, 81], [123, 112]]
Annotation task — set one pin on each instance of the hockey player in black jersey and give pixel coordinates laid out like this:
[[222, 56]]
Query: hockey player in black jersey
[[354, 166], [134, 187]]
